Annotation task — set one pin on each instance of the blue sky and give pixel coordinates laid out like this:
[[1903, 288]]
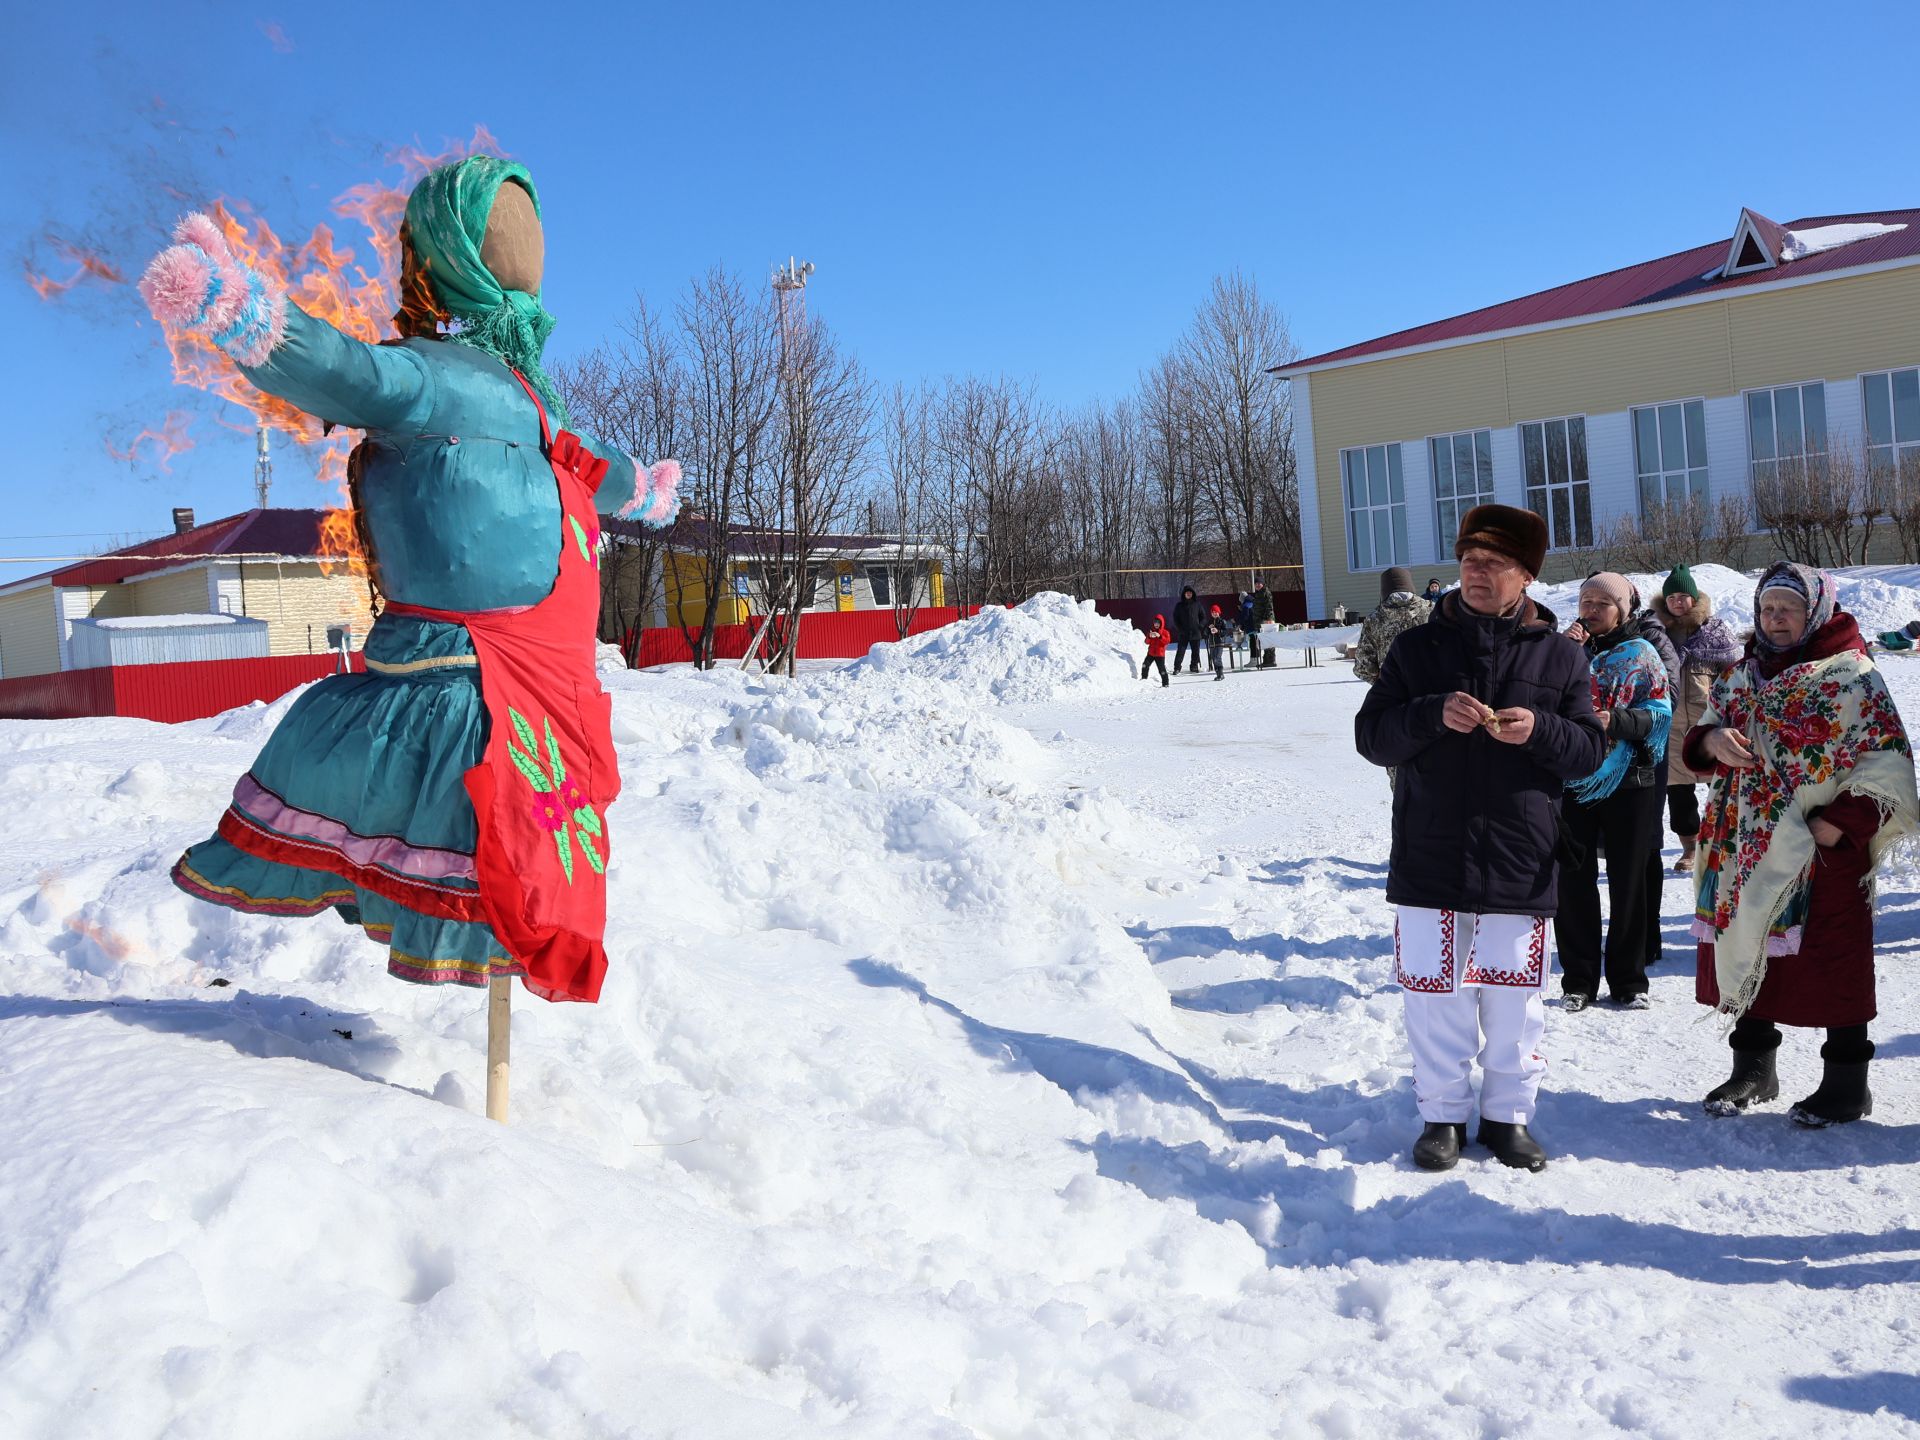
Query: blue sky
[[1041, 190]]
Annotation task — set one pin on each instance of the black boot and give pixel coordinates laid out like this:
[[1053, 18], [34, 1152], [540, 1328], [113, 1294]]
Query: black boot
[[1753, 1080], [1512, 1145], [1438, 1147], [1842, 1097]]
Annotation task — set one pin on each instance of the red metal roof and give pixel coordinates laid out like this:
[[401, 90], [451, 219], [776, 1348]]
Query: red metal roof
[[1686, 275], [292, 533]]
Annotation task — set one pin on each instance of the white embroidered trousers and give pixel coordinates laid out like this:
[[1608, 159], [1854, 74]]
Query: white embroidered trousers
[[1475, 988]]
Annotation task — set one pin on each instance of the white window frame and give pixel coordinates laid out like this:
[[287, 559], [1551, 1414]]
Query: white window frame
[[1902, 453], [1392, 467], [1572, 487], [1666, 474], [1755, 461], [1443, 532]]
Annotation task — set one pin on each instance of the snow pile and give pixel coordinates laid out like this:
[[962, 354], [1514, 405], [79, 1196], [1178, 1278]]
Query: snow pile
[[1880, 597], [163, 622], [1801, 243], [1048, 647]]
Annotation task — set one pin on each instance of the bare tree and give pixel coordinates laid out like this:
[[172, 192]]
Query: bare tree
[[731, 365], [999, 446], [632, 393], [908, 494], [1821, 508], [822, 416]]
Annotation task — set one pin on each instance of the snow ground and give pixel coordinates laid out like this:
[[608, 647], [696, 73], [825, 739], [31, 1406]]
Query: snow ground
[[1017, 1068]]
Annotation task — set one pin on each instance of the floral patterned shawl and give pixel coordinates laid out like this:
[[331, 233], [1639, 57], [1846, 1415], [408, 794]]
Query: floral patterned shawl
[[1821, 728]]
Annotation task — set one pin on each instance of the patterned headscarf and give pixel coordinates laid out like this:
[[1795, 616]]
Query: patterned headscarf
[[446, 225], [1811, 585]]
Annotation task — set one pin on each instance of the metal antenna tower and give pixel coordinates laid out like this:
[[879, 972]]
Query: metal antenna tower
[[262, 468], [790, 289]]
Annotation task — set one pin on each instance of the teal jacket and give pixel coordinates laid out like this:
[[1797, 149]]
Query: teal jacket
[[459, 499]]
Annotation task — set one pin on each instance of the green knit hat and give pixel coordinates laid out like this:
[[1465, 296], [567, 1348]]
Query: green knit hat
[[1681, 582]]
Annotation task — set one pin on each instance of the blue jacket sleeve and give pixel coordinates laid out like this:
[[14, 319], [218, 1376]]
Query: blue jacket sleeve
[[345, 381], [1568, 741], [1393, 726], [617, 488]]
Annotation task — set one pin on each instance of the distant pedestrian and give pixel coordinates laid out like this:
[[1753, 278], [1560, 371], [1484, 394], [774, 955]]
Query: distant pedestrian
[[1400, 609], [1432, 593], [1707, 649], [1251, 627], [1157, 638], [1485, 710], [1216, 633], [1263, 614], [1189, 629]]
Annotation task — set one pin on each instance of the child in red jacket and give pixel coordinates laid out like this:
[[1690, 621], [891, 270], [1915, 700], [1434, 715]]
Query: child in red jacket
[[1157, 639]]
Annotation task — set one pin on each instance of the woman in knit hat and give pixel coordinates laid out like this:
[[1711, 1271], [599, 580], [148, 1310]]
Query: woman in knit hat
[[1618, 805], [1812, 783]]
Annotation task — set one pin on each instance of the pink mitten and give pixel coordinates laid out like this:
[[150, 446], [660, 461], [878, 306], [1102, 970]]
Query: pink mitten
[[199, 284]]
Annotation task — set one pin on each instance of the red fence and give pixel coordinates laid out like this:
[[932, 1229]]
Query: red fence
[[828, 635], [190, 690]]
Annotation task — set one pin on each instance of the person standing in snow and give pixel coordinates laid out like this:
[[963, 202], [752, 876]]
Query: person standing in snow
[[1617, 805], [1251, 628], [1706, 648], [1216, 633], [1485, 711], [1189, 629], [1263, 614], [1432, 593], [1157, 638], [1812, 784], [1399, 609]]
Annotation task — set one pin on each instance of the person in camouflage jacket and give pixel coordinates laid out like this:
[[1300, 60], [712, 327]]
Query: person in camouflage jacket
[[1400, 609]]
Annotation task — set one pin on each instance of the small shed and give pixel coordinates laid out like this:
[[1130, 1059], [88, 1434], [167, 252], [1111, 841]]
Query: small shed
[[165, 639]]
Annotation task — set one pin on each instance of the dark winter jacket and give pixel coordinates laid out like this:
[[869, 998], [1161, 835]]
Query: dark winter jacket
[[1247, 621], [1654, 632], [1262, 606], [1189, 617], [1475, 821]]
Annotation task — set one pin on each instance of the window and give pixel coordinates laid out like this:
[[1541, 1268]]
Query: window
[[1553, 455], [1670, 453], [1893, 420], [1784, 425], [1376, 507], [1462, 478], [881, 581]]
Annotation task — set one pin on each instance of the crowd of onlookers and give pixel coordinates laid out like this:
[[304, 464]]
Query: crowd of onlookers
[[1526, 748], [1199, 625]]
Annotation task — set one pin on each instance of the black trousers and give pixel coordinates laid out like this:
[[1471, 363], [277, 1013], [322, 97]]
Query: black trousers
[[1683, 810], [1151, 661], [1181, 650], [1628, 823], [1846, 1044], [1217, 658]]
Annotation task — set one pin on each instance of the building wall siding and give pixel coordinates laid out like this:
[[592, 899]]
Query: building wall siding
[[1831, 331], [299, 601], [29, 634], [184, 592]]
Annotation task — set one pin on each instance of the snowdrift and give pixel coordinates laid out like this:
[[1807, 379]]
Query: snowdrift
[[1880, 597], [1049, 647]]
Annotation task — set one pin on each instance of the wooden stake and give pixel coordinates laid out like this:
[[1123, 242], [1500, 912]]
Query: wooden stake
[[499, 1045]]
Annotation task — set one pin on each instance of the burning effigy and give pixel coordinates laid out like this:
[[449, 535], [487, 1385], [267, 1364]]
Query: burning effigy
[[452, 800]]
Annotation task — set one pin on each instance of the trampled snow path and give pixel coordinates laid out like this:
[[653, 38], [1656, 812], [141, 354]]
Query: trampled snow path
[[952, 1080]]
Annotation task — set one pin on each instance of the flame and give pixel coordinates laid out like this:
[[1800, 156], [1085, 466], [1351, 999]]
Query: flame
[[168, 441], [328, 281], [86, 265]]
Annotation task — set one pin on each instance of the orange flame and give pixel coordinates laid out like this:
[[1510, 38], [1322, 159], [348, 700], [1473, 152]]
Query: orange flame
[[327, 281], [86, 265], [168, 441]]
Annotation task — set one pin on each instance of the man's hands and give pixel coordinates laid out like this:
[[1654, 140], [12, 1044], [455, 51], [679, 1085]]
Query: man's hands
[[1729, 748], [1463, 714]]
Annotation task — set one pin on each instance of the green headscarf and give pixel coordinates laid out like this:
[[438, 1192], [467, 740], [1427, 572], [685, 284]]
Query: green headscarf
[[447, 223]]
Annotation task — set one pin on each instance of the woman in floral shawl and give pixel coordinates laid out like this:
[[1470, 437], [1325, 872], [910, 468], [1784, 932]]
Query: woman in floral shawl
[[1812, 781]]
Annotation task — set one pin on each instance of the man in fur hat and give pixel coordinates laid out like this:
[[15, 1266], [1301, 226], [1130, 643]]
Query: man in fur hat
[[1484, 711]]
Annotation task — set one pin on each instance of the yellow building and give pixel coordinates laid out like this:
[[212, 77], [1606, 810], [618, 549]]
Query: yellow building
[[263, 565], [1691, 376], [850, 573]]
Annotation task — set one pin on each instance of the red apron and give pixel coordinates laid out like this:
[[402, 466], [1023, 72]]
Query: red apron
[[541, 790]]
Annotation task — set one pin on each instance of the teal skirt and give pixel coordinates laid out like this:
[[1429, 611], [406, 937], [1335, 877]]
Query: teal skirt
[[357, 805]]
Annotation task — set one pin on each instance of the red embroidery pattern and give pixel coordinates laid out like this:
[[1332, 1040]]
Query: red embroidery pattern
[[1441, 984], [1530, 978]]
